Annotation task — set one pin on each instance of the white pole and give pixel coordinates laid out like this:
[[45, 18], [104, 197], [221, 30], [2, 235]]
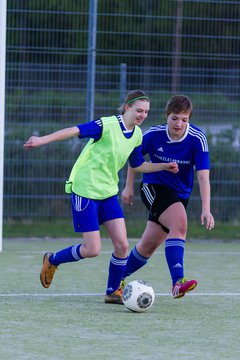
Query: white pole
[[3, 16], [91, 66]]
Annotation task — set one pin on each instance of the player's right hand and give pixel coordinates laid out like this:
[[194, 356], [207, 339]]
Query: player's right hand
[[32, 142]]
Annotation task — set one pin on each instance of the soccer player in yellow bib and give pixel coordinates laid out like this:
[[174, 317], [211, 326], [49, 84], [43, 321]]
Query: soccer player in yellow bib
[[93, 185]]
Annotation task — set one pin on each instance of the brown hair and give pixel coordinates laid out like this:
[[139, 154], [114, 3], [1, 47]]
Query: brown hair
[[131, 97], [179, 104]]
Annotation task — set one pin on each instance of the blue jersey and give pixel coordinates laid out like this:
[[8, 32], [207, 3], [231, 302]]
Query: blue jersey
[[190, 152]]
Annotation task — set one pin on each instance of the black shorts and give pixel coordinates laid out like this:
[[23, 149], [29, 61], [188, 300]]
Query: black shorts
[[157, 199]]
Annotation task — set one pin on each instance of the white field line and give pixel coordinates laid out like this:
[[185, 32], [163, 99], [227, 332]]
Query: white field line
[[157, 252], [223, 294]]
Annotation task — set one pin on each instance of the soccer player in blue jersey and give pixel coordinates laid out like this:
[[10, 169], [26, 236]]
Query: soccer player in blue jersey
[[93, 185], [166, 194]]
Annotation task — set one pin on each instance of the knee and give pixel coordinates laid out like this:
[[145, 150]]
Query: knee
[[179, 230], [93, 253], [182, 230], [121, 249], [90, 252]]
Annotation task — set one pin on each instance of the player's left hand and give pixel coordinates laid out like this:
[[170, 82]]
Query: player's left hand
[[208, 220], [127, 195]]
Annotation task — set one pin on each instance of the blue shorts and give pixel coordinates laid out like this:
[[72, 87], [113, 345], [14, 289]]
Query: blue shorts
[[89, 214]]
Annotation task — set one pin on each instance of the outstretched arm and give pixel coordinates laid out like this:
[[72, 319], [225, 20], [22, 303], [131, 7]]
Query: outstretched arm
[[147, 167], [205, 192], [36, 141]]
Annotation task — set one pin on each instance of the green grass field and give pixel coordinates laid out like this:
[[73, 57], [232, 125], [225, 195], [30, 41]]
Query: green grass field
[[64, 228], [70, 320]]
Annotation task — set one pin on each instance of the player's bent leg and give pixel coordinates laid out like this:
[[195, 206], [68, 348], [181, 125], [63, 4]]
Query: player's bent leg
[[152, 238], [47, 271], [90, 247]]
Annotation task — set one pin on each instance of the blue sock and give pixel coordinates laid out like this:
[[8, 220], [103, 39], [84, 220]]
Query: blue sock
[[174, 252], [135, 262], [69, 254], [116, 268]]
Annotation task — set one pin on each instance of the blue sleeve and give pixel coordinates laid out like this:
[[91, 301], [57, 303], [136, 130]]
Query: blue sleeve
[[91, 129], [145, 141], [202, 158], [136, 158]]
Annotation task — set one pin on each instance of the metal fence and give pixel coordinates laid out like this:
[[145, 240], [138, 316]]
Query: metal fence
[[161, 47]]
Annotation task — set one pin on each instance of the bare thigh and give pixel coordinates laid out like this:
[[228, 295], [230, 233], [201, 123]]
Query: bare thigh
[[175, 219]]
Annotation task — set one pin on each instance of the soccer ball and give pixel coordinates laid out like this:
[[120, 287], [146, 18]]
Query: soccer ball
[[138, 296]]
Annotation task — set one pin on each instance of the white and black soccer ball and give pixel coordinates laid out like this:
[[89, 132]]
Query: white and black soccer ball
[[138, 296]]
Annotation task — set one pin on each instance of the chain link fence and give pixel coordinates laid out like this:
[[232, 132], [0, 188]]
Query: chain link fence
[[162, 47]]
